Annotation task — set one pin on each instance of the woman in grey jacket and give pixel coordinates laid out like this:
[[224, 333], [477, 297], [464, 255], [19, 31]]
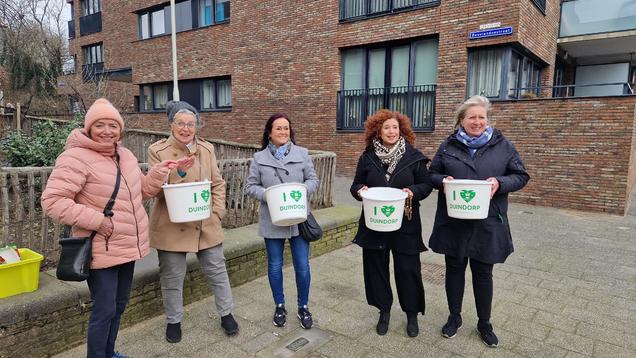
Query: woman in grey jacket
[[282, 161]]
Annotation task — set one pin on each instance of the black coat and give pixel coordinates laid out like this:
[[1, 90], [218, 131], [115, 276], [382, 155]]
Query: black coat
[[486, 240], [411, 172]]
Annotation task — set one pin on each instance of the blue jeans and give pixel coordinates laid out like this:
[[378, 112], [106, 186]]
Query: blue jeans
[[300, 257], [110, 290]]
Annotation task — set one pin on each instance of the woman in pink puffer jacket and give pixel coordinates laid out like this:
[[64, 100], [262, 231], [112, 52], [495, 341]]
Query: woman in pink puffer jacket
[[76, 193]]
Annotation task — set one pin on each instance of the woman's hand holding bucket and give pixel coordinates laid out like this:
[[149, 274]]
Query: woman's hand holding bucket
[[495, 186], [364, 187]]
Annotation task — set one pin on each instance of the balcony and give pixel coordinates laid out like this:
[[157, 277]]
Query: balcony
[[92, 71], [567, 91], [586, 17], [91, 24], [417, 102], [71, 29], [359, 9]]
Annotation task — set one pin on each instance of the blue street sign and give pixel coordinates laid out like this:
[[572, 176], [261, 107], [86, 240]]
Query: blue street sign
[[502, 31]]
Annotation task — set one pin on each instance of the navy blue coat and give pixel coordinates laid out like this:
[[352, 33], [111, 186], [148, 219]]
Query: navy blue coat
[[411, 172], [486, 240]]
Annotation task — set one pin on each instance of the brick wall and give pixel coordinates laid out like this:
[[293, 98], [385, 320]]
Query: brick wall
[[59, 326], [579, 152], [284, 56]]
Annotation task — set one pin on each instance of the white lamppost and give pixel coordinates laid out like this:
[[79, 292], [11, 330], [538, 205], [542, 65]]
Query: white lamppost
[[175, 78]]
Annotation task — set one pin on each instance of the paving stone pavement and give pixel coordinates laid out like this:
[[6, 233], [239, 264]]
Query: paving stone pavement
[[568, 290]]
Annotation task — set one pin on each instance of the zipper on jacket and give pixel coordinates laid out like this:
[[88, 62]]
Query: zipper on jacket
[[134, 213]]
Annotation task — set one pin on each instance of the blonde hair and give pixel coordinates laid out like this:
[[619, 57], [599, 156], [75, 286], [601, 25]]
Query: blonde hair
[[471, 102]]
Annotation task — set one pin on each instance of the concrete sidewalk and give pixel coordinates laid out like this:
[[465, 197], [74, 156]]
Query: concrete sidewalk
[[569, 290]]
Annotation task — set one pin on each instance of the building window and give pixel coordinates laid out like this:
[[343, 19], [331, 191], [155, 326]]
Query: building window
[[93, 54], [204, 94], [217, 94], [400, 77], [356, 9], [90, 7], [189, 14], [502, 73], [540, 4], [155, 96]]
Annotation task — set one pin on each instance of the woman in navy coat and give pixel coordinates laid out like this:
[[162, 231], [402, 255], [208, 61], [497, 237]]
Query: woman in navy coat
[[390, 160], [475, 151]]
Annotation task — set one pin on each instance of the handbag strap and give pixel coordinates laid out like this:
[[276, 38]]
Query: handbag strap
[[108, 210]]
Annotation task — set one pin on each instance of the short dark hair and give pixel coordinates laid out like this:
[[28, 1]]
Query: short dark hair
[[270, 124]]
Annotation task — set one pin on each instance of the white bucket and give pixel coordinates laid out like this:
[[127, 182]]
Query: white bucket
[[188, 201], [467, 199], [287, 203], [383, 208]]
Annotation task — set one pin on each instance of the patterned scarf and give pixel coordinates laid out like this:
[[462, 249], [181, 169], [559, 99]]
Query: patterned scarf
[[279, 152], [389, 156], [474, 143]]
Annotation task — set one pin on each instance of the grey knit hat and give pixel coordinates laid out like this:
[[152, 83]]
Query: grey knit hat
[[174, 107]]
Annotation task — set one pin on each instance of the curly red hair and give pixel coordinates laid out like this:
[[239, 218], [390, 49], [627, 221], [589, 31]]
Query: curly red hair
[[374, 123]]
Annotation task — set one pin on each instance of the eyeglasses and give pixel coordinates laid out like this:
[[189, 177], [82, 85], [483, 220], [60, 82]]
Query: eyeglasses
[[181, 125]]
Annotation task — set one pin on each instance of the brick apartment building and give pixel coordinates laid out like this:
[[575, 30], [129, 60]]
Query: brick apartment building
[[559, 73]]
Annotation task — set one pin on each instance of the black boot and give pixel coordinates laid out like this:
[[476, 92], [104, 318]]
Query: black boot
[[412, 328], [383, 323], [173, 332], [229, 325]]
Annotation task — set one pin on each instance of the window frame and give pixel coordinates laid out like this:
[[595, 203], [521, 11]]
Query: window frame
[[389, 48], [87, 53], [195, 18], [367, 14], [90, 7], [506, 62], [197, 81]]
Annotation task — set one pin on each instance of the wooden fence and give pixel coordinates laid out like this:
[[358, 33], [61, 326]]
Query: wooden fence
[[23, 223]]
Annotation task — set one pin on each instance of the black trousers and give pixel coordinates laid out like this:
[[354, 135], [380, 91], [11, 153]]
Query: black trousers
[[482, 285], [110, 291], [408, 280]]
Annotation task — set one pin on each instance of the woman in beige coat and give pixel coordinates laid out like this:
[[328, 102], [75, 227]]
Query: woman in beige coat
[[205, 238]]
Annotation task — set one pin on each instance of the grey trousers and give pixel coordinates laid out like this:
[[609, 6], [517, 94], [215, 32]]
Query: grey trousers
[[172, 270]]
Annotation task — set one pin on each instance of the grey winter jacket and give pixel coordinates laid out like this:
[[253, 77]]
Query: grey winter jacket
[[265, 171]]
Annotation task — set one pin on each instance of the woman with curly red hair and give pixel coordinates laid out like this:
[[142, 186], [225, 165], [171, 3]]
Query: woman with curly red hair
[[391, 160]]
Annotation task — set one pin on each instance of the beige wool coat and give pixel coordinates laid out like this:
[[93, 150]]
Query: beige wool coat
[[190, 236]]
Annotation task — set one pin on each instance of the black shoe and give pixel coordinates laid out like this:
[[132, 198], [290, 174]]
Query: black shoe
[[304, 316], [280, 316], [383, 323], [412, 329], [229, 325], [173, 332], [487, 334], [452, 325]]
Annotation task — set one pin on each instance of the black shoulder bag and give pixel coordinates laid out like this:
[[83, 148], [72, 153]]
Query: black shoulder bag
[[309, 229], [75, 252]]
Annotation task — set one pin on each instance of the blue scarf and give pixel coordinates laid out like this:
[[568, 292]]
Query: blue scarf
[[474, 143], [279, 152]]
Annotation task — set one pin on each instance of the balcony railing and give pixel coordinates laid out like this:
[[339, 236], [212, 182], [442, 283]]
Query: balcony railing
[[354, 9], [417, 102], [584, 17], [90, 24], [92, 71], [71, 29], [563, 91]]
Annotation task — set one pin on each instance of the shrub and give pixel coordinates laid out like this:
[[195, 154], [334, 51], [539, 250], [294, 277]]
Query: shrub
[[41, 148]]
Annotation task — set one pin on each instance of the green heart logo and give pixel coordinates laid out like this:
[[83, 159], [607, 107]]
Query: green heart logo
[[467, 195], [205, 195], [295, 194], [388, 210]]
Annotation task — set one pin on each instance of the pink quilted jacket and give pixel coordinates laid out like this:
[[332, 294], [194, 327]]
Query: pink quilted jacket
[[79, 188]]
